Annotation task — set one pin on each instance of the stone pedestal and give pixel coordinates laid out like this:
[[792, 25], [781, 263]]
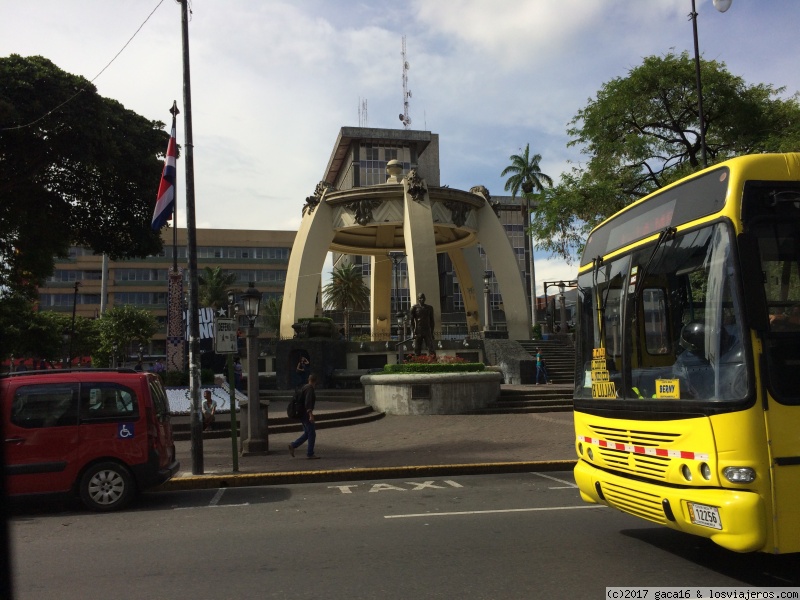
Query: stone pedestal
[[435, 394]]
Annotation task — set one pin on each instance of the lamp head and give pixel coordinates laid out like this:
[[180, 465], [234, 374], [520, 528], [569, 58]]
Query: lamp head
[[252, 301], [722, 5]]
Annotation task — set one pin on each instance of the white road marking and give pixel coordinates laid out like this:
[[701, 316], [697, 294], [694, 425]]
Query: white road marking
[[210, 506], [567, 484], [488, 512], [217, 497]]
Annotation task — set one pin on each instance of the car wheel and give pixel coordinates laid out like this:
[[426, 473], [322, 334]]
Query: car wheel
[[106, 486]]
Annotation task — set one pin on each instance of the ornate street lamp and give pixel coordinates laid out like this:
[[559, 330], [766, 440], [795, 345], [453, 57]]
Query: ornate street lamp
[[256, 442], [232, 381]]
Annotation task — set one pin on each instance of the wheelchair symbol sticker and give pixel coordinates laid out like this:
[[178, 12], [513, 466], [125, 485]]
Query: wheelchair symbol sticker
[[125, 430]]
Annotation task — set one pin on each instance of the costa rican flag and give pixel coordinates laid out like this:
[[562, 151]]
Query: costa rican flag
[[165, 201]]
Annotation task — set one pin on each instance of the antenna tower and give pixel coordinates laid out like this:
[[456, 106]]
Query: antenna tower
[[362, 112], [404, 118]]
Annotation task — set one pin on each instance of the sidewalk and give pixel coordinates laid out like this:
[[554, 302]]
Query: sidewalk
[[394, 446]]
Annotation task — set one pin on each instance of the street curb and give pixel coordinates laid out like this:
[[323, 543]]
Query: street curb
[[214, 481]]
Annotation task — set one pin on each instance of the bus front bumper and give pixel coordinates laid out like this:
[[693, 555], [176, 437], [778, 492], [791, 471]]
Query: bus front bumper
[[741, 514]]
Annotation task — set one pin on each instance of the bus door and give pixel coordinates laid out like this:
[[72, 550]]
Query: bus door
[[778, 239]]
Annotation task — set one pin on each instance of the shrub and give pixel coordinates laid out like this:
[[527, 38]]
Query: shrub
[[430, 368]]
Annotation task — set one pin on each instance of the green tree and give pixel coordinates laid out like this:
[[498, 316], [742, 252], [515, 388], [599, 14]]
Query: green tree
[[75, 165], [121, 330], [346, 291], [42, 335], [213, 286], [271, 314], [527, 177], [641, 132]]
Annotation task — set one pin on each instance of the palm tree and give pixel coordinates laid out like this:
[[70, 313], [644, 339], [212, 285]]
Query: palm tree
[[345, 292], [272, 314], [526, 175], [213, 286]]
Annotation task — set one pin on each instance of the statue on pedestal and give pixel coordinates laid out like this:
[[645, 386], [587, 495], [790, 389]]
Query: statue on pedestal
[[422, 325]]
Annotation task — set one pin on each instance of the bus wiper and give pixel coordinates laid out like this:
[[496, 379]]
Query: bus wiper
[[597, 263], [666, 234]]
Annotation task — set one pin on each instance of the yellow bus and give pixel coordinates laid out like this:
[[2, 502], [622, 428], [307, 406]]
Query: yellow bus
[[687, 395]]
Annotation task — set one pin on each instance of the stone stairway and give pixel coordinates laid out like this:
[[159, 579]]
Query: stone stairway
[[530, 399], [337, 408], [559, 356]]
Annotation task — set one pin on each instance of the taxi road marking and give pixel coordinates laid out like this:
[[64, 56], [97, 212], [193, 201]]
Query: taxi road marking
[[385, 487]]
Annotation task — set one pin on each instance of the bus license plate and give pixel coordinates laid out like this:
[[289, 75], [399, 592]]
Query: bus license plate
[[707, 516]]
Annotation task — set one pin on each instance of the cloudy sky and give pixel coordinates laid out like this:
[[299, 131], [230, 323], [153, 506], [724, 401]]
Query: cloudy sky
[[273, 81]]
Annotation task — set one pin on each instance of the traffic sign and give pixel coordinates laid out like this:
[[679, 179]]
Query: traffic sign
[[225, 341]]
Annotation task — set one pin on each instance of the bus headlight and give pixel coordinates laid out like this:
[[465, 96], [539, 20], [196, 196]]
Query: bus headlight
[[705, 471], [686, 472], [739, 474], [590, 454]]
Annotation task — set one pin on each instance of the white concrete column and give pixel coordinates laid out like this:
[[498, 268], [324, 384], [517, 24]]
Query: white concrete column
[[503, 261], [305, 267], [420, 243]]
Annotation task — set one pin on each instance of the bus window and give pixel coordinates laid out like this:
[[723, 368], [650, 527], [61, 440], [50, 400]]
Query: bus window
[[655, 321]]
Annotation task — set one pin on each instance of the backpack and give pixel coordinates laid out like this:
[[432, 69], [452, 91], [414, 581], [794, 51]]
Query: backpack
[[296, 406]]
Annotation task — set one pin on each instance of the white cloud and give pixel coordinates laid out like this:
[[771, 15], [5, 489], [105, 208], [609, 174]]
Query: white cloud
[[272, 82]]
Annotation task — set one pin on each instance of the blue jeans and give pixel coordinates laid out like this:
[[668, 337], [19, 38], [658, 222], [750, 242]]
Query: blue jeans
[[310, 434], [540, 371]]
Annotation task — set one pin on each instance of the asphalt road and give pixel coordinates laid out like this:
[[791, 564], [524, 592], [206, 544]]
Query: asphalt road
[[525, 535]]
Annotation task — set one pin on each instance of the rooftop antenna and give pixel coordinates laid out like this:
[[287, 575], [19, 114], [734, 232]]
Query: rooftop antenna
[[362, 112], [404, 118]]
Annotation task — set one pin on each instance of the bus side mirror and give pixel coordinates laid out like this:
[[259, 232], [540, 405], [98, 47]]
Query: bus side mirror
[[755, 301]]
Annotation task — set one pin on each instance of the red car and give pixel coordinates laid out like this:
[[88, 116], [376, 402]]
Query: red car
[[101, 434]]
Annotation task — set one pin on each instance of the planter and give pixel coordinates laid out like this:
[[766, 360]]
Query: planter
[[435, 394]]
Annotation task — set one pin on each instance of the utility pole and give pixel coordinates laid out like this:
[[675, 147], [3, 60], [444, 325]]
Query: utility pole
[[191, 230]]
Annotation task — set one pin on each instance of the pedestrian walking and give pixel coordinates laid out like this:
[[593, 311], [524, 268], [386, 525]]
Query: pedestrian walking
[[307, 419], [541, 369]]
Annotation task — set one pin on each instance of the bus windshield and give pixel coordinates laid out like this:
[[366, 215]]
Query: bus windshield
[[669, 320]]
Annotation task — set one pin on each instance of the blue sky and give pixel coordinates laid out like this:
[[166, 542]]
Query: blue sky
[[273, 81]]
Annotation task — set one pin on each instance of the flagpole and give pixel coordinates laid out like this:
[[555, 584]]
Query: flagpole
[[191, 236]]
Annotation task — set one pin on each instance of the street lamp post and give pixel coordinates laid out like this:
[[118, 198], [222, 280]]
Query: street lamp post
[[487, 305], [232, 384], [257, 441], [401, 334], [396, 256], [721, 6], [72, 327], [562, 301]]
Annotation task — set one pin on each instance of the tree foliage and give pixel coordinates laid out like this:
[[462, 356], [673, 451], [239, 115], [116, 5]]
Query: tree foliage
[[75, 168], [271, 314], [121, 330], [28, 333], [641, 132], [526, 175], [213, 286], [346, 289]]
